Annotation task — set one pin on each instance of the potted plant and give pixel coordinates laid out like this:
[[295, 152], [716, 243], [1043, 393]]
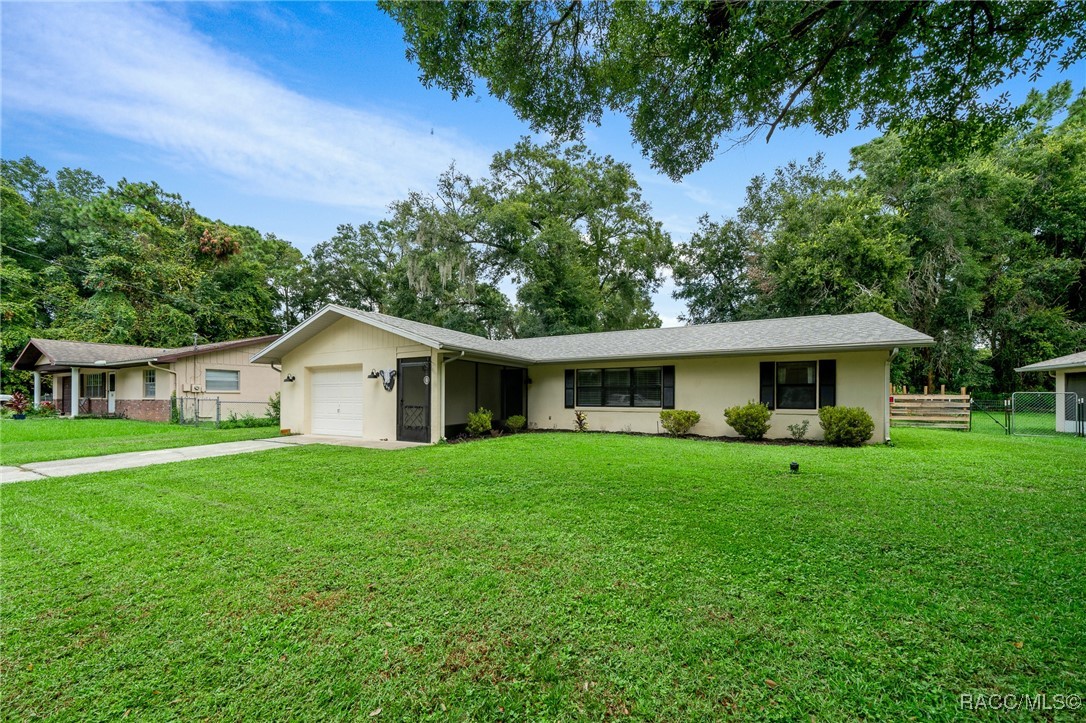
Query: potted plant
[[19, 404]]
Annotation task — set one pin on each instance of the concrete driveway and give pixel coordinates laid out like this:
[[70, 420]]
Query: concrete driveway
[[131, 460]]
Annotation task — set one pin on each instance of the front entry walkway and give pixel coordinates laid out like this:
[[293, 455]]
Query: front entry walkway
[[131, 460]]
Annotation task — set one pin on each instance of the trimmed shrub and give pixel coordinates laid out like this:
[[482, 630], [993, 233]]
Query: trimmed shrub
[[678, 422], [480, 423], [751, 420], [846, 426], [516, 423], [580, 421], [799, 430]]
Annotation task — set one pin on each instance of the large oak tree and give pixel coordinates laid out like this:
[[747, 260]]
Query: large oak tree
[[691, 74]]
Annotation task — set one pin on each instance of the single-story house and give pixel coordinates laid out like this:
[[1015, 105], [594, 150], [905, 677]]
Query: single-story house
[[138, 381], [363, 374], [1070, 374]]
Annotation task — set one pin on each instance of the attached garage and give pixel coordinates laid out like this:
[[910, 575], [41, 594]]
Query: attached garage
[[336, 401]]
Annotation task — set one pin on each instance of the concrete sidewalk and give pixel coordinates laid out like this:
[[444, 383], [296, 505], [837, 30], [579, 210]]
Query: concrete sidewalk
[[131, 460]]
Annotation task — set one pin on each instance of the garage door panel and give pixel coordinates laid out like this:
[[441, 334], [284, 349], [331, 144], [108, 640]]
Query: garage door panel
[[336, 403]]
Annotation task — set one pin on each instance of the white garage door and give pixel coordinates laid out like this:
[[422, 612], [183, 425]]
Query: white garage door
[[336, 406]]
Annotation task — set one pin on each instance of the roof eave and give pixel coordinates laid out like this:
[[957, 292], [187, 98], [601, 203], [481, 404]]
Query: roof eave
[[873, 346], [1051, 368], [266, 356]]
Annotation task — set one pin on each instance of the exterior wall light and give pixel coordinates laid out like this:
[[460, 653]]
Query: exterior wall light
[[288, 378]]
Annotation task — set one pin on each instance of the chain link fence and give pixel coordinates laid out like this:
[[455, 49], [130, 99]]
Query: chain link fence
[[223, 413], [1047, 414]]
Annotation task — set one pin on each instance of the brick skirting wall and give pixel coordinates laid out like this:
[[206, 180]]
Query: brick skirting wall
[[149, 410]]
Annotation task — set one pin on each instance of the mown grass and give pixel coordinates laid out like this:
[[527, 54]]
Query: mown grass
[[551, 576], [40, 439]]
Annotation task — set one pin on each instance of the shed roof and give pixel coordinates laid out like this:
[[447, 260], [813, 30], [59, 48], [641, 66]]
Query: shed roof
[[1078, 359], [807, 333]]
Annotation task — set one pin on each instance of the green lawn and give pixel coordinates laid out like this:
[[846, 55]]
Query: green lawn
[[552, 576], [41, 439]]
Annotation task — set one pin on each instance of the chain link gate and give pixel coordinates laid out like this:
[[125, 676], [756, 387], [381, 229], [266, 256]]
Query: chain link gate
[[197, 410], [1047, 414]]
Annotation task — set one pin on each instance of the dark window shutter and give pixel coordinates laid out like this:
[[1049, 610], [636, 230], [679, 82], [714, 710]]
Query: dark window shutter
[[827, 382], [766, 386], [668, 388], [570, 388]]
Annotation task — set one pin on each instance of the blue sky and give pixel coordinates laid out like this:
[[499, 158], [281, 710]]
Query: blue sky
[[296, 117]]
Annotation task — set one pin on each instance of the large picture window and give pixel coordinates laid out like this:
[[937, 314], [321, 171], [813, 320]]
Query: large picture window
[[222, 380], [620, 387], [94, 385]]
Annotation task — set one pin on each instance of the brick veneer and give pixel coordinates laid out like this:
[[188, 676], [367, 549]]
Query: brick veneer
[[149, 410]]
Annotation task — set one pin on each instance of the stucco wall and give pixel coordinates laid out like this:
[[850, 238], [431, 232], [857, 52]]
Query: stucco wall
[[708, 386], [351, 343]]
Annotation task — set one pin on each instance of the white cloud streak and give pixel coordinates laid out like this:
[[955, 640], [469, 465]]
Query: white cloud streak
[[142, 74]]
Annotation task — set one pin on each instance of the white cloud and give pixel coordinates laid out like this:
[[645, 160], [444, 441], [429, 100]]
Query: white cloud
[[142, 74]]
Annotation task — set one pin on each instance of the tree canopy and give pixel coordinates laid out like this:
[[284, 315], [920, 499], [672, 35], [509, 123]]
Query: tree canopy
[[986, 253], [691, 73]]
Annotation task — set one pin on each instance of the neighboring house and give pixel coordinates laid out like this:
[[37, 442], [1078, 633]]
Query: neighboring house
[[137, 381], [1070, 374], [337, 364]]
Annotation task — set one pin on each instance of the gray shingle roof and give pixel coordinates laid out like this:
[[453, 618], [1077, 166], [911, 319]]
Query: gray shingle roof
[[808, 333], [738, 337], [1078, 359], [61, 352]]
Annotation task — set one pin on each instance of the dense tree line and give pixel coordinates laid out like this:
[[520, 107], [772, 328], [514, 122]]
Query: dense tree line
[[134, 264], [985, 252]]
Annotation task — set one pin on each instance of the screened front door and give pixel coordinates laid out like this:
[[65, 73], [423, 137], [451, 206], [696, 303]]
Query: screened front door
[[111, 393], [413, 411]]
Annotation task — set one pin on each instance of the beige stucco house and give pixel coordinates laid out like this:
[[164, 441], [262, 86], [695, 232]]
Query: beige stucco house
[[369, 375], [138, 382], [1070, 374]]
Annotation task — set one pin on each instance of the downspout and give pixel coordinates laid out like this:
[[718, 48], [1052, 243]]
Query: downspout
[[173, 392], [444, 401], [886, 394]]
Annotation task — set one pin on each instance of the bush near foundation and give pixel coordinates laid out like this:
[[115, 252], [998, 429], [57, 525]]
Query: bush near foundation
[[846, 426], [481, 422], [678, 422], [751, 420]]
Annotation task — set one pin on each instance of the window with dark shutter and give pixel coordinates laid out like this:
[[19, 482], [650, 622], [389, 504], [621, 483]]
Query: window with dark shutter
[[668, 396], [570, 388], [827, 382], [767, 371], [797, 385]]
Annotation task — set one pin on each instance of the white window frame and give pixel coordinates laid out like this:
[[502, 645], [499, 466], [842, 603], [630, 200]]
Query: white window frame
[[209, 387], [99, 387], [150, 383]]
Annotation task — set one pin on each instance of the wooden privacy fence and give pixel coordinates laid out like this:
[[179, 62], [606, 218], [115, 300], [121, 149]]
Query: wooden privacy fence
[[938, 411]]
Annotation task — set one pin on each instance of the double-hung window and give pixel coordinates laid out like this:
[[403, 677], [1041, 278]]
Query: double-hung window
[[222, 380], [94, 385], [149, 383]]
